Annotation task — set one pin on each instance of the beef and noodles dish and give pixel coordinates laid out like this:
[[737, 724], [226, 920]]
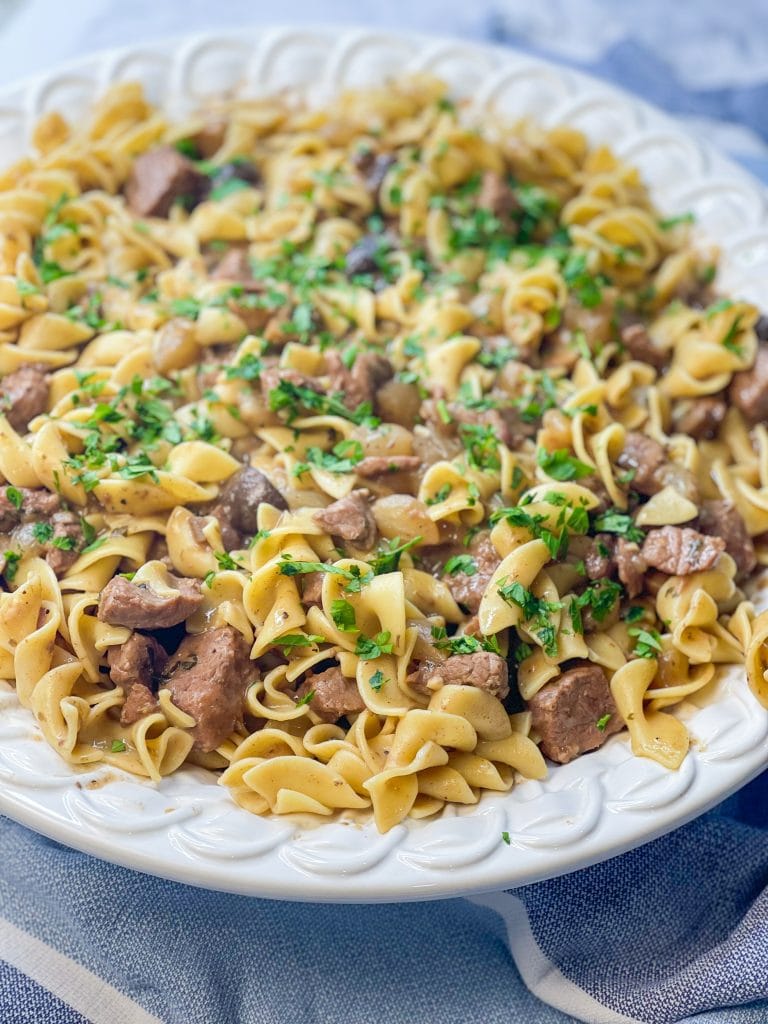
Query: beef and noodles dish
[[370, 455]]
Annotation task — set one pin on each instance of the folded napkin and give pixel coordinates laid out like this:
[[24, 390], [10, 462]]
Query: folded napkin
[[674, 931]]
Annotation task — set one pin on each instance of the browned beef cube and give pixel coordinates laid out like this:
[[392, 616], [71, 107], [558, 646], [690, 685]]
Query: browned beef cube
[[334, 694], [138, 606], [749, 388], [24, 395], [349, 518], [574, 713], [679, 550], [160, 177], [207, 677]]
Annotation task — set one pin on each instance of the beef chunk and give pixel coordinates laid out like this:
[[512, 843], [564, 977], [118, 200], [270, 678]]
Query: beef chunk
[[497, 196], [359, 384], [273, 375], [679, 550], [363, 257], [136, 666], [467, 589], [24, 395], [141, 659], [722, 519], [161, 176], [233, 266], [238, 505], [253, 311], [235, 170], [36, 503], [631, 566], [374, 167], [138, 606], [566, 713], [207, 677], [334, 694], [642, 347], [749, 388], [312, 587], [701, 418], [68, 531], [139, 702], [378, 465], [349, 518], [599, 559], [483, 670], [504, 421], [645, 457]]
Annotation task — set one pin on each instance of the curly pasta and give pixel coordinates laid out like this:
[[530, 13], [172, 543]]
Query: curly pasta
[[366, 455]]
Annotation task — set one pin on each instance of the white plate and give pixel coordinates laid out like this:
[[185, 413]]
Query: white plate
[[187, 828]]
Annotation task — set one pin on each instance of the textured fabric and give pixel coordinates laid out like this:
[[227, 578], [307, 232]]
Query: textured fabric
[[676, 931], [23, 1001]]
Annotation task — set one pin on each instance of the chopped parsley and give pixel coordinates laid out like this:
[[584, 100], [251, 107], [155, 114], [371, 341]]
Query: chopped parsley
[[718, 307], [522, 651], [729, 340], [387, 558], [290, 641], [12, 559], [189, 307], [226, 188], [600, 597], [440, 495], [634, 613], [648, 642], [118, 746], [64, 543], [288, 397], [571, 519], [506, 839], [619, 523], [249, 367], [602, 722], [481, 445], [306, 699], [42, 532], [463, 644], [342, 458], [460, 563], [536, 611], [343, 615], [377, 680], [137, 466], [542, 398], [225, 560], [561, 465], [26, 287], [587, 287], [289, 566], [14, 496], [667, 223], [369, 648]]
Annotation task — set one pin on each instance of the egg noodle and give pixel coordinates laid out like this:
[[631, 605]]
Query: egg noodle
[[483, 386]]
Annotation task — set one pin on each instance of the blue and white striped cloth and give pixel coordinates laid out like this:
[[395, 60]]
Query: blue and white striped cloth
[[675, 931]]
